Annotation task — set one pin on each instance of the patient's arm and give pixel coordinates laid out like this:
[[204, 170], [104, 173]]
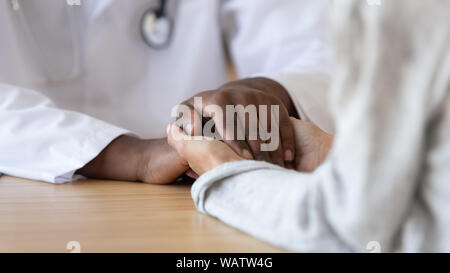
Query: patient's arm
[[389, 86]]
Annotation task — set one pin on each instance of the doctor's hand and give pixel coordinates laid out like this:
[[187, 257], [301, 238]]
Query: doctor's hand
[[202, 154], [133, 159], [312, 144], [247, 92]]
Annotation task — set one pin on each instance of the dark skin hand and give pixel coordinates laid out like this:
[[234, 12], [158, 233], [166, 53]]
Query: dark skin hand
[[253, 91], [154, 161], [133, 159]]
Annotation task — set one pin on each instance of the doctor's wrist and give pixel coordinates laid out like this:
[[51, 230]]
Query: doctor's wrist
[[133, 159], [120, 160]]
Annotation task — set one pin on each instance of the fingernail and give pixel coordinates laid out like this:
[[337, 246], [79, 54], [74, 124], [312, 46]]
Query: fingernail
[[288, 155], [247, 154]]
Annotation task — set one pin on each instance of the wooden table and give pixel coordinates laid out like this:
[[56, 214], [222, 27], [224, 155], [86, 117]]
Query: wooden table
[[111, 216]]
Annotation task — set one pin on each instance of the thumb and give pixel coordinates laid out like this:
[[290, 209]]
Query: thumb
[[176, 137], [294, 120]]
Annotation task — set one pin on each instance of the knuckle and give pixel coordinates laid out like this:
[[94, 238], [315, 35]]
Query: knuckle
[[221, 96]]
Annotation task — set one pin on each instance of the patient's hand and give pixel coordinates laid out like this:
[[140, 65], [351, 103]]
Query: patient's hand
[[312, 145], [201, 155]]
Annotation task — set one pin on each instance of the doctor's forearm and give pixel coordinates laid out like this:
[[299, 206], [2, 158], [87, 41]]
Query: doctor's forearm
[[119, 160], [133, 159]]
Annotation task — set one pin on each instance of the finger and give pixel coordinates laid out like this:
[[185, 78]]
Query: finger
[[287, 138], [247, 129], [298, 163], [256, 145], [293, 120], [229, 131], [241, 140], [277, 155], [258, 154], [176, 137], [196, 125], [192, 123], [222, 130], [241, 148], [290, 165], [298, 153], [191, 174]]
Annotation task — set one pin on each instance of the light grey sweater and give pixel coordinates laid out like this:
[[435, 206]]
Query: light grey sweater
[[387, 178]]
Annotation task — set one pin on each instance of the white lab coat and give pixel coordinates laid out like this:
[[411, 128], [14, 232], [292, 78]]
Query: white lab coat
[[59, 110]]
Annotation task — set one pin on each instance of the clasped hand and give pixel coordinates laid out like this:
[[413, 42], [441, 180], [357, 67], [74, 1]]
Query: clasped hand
[[299, 145], [203, 154]]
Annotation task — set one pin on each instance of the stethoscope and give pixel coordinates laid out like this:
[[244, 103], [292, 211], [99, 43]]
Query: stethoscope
[[156, 27]]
